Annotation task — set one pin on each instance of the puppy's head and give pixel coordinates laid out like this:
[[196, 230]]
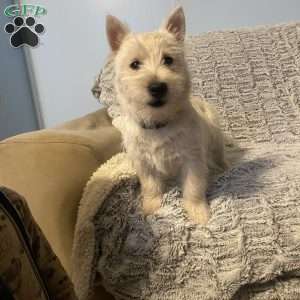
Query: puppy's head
[[152, 81]]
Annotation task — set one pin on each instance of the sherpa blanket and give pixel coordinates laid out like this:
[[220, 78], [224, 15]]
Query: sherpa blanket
[[250, 249]]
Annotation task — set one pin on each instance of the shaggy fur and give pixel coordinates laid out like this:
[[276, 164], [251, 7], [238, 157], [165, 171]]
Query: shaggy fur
[[175, 140]]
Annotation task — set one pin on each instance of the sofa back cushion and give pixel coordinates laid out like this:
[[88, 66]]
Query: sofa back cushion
[[252, 76]]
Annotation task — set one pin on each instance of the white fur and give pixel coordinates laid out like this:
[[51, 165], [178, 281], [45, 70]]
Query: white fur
[[191, 142]]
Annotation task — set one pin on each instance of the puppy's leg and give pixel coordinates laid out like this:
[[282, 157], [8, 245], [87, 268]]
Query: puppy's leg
[[152, 191], [194, 188]]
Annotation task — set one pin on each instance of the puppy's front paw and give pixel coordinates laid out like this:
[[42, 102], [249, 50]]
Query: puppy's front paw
[[198, 211], [150, 205]]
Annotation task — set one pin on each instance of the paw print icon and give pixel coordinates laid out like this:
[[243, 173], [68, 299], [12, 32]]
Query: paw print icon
[[24, 32]]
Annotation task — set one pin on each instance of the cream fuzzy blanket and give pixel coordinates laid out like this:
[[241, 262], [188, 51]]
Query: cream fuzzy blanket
[[250, 249]]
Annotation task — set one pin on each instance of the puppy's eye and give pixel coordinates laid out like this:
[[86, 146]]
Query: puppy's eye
[[135, 65], [168, 60]]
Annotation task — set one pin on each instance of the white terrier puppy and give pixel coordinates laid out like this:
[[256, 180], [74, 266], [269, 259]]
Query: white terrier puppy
[[166, 133]]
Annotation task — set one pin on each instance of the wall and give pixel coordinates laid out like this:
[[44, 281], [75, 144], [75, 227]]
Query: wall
[[74, 46], [17, 111], [208, 15]]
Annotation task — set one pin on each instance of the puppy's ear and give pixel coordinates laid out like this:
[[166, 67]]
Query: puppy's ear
[[175, 23], [115, 31]]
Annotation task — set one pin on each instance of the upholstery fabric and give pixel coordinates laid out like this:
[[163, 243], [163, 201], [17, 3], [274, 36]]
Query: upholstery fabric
[[28, 266]]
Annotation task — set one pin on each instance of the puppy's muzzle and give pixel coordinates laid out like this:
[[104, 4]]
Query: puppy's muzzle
[[157, 102], [157, 90]]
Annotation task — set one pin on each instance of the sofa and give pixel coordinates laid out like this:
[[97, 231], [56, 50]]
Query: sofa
[[50, 168]]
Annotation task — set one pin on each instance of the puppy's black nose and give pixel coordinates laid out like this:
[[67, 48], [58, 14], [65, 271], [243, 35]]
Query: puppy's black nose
[[158, 89]]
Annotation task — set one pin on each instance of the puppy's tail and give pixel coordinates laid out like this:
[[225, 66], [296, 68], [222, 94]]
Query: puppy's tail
[[233, 152], [206, 110]]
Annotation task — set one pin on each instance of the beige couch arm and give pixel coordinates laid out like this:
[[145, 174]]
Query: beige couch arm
[[50, 169]]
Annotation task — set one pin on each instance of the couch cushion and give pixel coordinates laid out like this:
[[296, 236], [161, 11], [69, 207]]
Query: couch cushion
[[51, 167]]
